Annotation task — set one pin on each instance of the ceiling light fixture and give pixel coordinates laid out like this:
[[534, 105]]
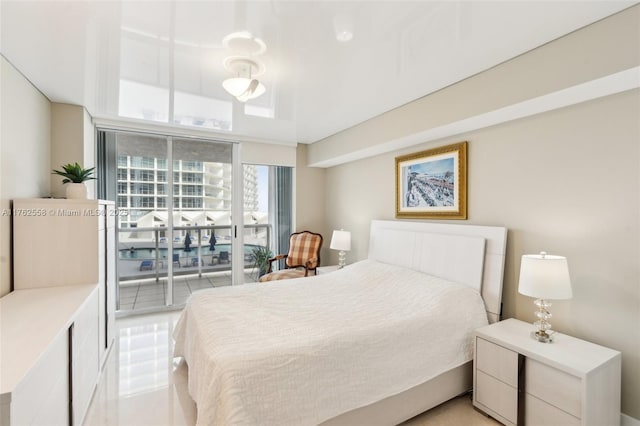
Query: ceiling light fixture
[[243, 85], [244, 43]]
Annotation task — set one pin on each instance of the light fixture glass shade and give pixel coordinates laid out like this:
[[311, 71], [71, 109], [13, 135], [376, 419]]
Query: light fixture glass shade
[[236, 86], [341, 240], [243, 88], [545, 276]]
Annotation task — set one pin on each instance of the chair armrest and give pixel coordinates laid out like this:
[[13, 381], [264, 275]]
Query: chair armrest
[[310, 264], [273, 259]]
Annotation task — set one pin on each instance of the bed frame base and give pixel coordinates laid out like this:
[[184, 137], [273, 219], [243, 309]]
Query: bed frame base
[[403, 406]]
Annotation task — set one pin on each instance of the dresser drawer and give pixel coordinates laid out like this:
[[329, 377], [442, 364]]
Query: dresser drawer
[[556, 387], [497, 361], [539, 413], [497, 396]]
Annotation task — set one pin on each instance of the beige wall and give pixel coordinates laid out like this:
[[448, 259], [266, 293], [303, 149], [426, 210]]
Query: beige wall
[[24, 152], [72, 140], [268, 154], [566, 181], [309, 200]]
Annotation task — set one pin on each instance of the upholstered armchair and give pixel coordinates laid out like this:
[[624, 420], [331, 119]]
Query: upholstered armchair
[[303, 257]]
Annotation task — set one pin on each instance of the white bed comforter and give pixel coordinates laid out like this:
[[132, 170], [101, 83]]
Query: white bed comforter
[[299, 352]]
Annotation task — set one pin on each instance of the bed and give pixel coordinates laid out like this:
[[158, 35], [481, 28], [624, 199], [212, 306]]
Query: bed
[[377, 342]]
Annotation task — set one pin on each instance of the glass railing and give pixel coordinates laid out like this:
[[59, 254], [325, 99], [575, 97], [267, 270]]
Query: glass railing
[[144, 252]]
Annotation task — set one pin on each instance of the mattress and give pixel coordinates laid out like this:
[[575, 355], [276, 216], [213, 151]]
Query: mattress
[[301, 351]]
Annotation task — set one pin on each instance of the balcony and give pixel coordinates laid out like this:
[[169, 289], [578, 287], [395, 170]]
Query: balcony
[[143, 253]]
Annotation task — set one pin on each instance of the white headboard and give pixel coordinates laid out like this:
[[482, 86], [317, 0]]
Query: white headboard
[[467, 254]]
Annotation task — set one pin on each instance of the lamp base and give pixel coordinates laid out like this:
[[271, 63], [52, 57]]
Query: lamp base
[[542, 336], [542, 325], [341, 259]]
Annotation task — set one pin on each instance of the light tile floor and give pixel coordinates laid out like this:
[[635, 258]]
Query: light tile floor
[[147, 294], [142, 384]]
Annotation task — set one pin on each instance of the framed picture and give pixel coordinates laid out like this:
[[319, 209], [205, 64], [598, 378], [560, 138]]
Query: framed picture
[[433, 184]]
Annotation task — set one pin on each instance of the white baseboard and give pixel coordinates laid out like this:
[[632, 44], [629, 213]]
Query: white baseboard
[[628, 420]]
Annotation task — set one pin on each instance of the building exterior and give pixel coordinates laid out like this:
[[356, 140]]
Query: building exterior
[[201, 191]]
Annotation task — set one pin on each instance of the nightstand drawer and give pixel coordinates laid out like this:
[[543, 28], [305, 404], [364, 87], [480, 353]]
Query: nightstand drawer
[[554, 386], [539, 413], [497, 396], [497, 361]]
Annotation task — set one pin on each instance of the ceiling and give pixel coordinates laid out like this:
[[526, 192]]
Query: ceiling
[[162, 61]]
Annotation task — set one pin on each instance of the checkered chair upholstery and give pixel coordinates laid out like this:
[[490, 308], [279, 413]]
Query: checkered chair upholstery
[[303, 257]]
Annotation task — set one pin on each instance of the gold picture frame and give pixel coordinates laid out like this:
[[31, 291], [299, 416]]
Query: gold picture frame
[[432, 184]]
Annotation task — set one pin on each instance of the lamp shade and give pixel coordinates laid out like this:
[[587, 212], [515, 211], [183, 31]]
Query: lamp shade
[[545, 276], [341, 240]]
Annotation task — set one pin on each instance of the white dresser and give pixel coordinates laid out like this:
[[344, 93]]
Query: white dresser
[[59, 242], [49, 361], [518, 380]]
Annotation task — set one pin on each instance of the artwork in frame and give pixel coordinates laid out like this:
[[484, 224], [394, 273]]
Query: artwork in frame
[[432, 184]]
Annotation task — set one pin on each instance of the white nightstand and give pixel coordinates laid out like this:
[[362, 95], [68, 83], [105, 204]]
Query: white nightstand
[[320, 270], [518, 380]]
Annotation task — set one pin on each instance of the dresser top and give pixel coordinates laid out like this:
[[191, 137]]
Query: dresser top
[[566, 353], [30, 320]]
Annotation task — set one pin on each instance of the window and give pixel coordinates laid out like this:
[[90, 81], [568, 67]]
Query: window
[[142, 162], [192, 166], [192, 203], [191, 177], [142, 175], [142, 188], [122, 174], [138, 202], [193, 190], [201, 193]]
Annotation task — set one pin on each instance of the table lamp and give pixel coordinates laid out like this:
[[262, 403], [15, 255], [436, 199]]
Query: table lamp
[[544, 277], [341, 240]]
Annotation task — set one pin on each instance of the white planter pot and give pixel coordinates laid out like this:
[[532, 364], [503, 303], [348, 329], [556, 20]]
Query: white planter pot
[[76, 191]]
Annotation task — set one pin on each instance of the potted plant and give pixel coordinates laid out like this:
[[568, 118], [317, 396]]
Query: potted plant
[[75, 176], [261, 256]]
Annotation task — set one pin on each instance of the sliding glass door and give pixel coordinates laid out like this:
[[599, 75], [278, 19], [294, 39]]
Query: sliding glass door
[[202, 213], [142, 225], [180, 225], [175, 223], [267, 215]]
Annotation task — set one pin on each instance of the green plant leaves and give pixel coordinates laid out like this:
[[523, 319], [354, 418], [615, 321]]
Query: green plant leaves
[[261, 255], [74, 173]]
